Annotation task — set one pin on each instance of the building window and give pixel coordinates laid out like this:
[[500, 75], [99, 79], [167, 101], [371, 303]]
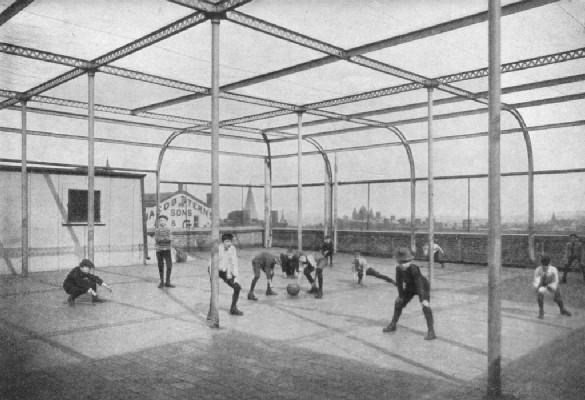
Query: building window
[[77, 206]]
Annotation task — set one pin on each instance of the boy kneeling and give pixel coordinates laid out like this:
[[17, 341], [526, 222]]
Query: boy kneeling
[[546, 279], [81, 280]]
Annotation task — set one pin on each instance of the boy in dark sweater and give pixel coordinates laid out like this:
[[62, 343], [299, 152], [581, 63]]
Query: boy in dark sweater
[[80, 280], [327, 250], [410, 282]]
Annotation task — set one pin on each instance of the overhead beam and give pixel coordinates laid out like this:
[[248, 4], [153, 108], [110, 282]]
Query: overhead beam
[[536, 128], [13, 9], [145, 41], [526, 104], [394, 41], [462, 76], [124, 142], [209, 7], [448, 100], [440, 178], [133, 123]]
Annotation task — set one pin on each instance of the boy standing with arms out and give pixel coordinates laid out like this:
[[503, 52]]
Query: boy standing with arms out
[[162, 239], [546, 279]]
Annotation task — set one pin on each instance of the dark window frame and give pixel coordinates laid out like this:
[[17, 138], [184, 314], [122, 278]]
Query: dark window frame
[[77, 206]]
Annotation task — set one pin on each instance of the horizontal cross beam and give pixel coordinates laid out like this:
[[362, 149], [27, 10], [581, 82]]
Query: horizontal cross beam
[[154, 37]]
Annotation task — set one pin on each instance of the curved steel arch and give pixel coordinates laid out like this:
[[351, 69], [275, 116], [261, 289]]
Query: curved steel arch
[[404, 142], [161, 154], [329, 176], [516, 114]]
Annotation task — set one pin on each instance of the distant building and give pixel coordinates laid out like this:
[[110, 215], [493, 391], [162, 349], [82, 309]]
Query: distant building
[[250, 205], [183, 210]]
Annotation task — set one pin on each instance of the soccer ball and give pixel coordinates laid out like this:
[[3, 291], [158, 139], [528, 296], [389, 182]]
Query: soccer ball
[[293, 289]]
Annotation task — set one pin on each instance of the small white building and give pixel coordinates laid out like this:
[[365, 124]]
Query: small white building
[[183, 210], [58, 218]]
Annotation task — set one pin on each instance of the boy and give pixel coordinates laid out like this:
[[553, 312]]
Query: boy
[[162, 238], [327, 250], [438, 253], [314, 265], [263, 262], [289, 263], [80, 280], [359, 265], [228, 269], [410, 282], [573, 252], [546, 279]]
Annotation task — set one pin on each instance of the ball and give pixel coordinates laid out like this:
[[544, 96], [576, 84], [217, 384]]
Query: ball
[[293, 289]]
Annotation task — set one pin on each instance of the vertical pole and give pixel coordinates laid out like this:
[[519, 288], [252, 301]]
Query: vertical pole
[[431, 189], [267, 215], [213, 315], [468, 204], [368, 210], [494, 384], [334, 201], [144, 219], [325, 202], [24, 194], [90, 166], [300, 182]]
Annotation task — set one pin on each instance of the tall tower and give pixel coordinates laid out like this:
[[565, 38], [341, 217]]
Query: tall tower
[[250, 205]]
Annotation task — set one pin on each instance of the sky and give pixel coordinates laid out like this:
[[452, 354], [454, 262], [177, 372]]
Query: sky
[[87, 29]]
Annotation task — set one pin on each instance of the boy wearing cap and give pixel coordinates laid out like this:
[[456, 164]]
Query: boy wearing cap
[[410, 282], [546, 279], [162, 238], [289, 262], [327, 250], [573, 252], [359, 265], [263, 262], [314, 265], [81, 280], [438, 253], [228, 269]]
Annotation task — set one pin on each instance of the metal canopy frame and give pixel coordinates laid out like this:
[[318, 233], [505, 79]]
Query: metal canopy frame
[[227, 10]]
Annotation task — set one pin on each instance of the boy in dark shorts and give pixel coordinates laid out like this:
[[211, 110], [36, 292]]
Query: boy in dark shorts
[[410, 282], [263, 262]]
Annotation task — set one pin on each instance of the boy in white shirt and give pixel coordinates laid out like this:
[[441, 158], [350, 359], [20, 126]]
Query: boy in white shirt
[[546, 279], [359, 266], [228, 269]]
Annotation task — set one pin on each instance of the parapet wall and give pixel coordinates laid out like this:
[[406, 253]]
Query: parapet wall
[[470, 248]]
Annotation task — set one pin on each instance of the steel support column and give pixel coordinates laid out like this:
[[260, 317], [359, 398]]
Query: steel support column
[[494, 382], [90, 165], [145, 255], [430, 185], [213, 315], [267, 194], [335, 195], [300, 182], [24, 195]]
